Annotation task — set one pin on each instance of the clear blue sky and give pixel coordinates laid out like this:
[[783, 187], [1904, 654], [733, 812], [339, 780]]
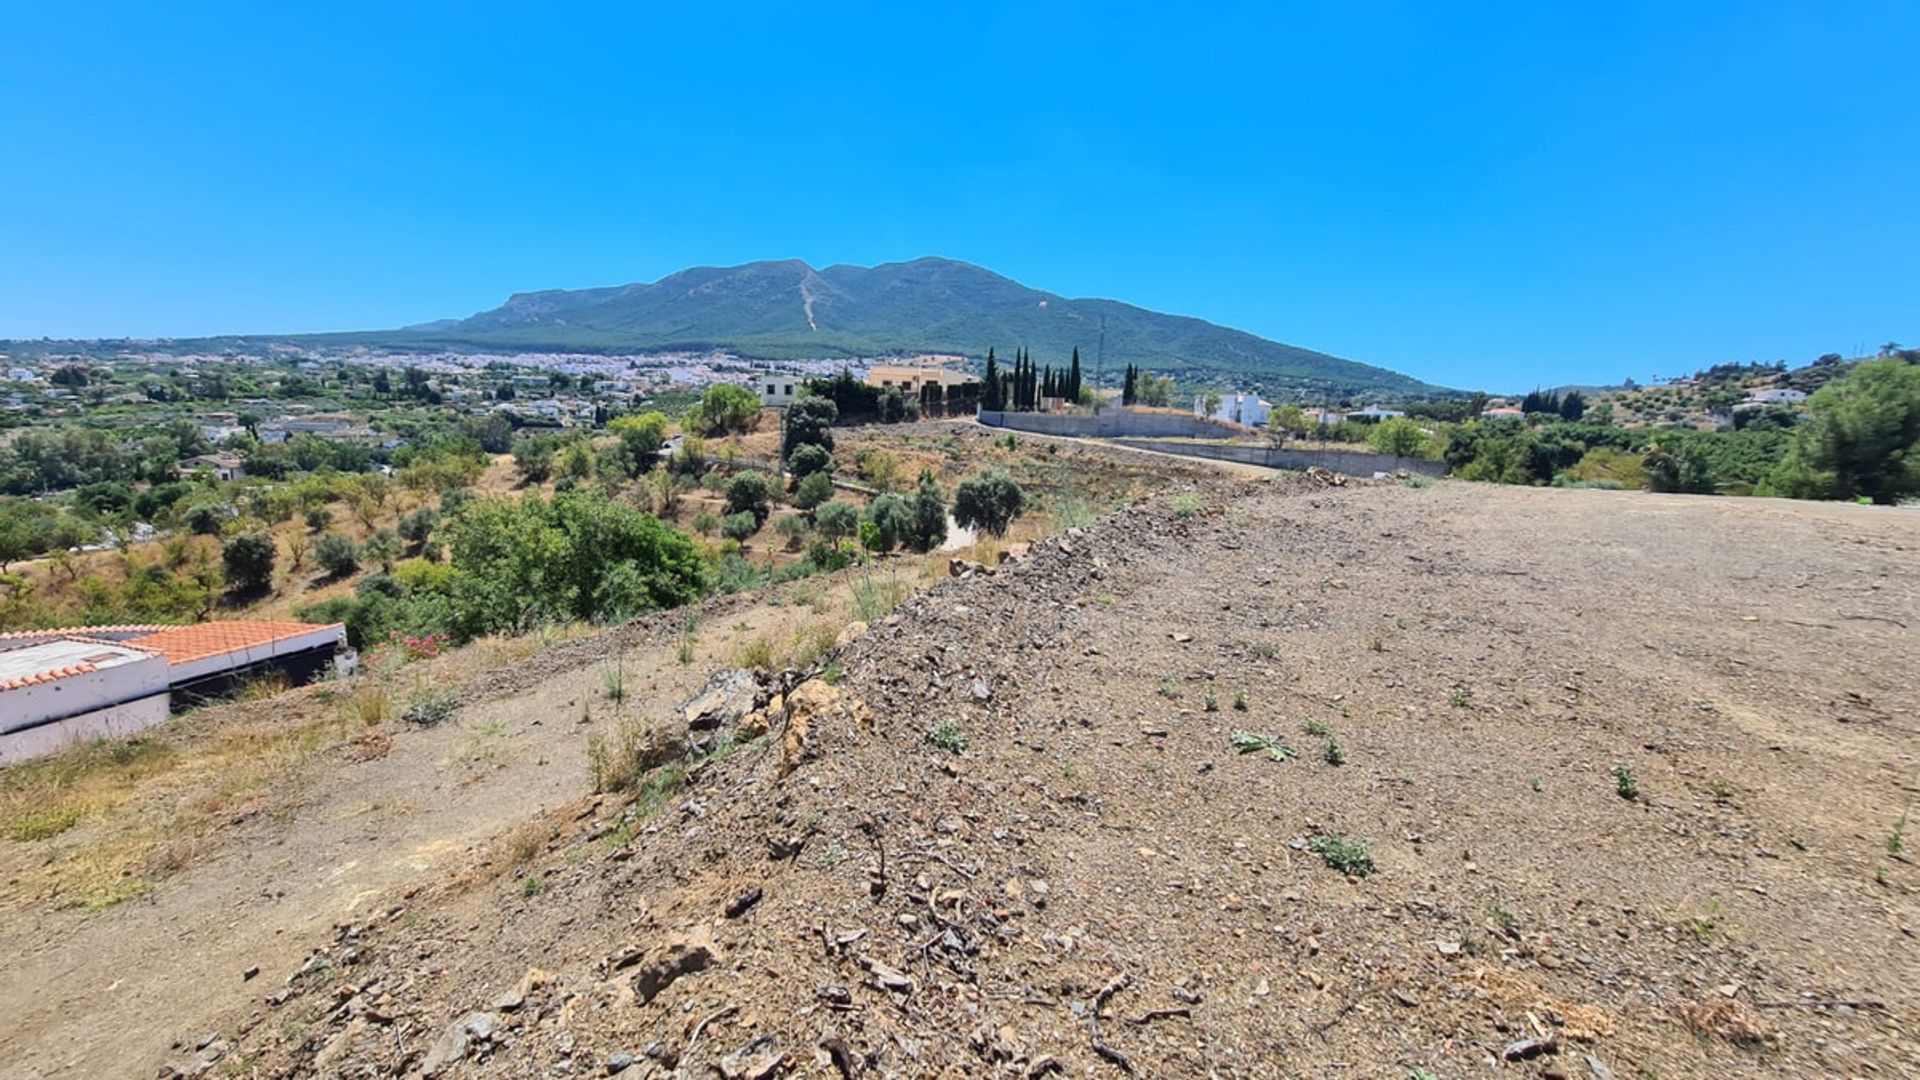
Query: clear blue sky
[[1496, 195]]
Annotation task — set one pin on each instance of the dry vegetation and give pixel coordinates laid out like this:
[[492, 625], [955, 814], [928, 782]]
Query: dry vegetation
[[1493, 805]]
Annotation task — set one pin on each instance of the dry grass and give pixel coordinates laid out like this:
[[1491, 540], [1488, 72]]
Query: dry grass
[[102, 823], [807, 644]]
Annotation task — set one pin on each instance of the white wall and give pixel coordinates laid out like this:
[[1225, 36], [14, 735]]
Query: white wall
[[112, 722], [84, 693]]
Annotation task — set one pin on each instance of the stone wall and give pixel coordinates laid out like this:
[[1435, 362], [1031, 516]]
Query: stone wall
[[1113, 423], [1345, 462]]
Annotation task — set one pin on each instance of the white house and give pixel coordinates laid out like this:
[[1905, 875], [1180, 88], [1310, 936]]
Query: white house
[[1374, 412], [61, 687], [1777, 395], [777, 389], [72, 689], [1235, 408]]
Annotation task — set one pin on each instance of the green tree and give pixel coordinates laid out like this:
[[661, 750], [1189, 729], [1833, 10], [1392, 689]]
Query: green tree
[[576, 461], [809, 422], [642, 435], [1399, 436], [751, 492], [533, 460], [814, 489], [929, 529], [248, 562], [1863, 440], [417, 528], [336, 554], [989, 502], [740, 526], [1678, 463], [892, 520], [837, 520], [808, 459], [723, 409], [383, 547], [1285, 422]]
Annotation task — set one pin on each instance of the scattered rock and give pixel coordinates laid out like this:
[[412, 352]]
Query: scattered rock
[[743, 903], [1528, 1049], [668, 963], [728, 697]]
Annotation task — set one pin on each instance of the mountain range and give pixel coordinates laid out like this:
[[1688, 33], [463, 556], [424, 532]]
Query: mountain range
[[786, 309]]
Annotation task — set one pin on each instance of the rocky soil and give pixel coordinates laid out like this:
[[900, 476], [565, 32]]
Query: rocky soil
[[1262, 779]]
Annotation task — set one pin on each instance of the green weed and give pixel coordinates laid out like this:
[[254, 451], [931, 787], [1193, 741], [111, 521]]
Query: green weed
[[1347, 854]]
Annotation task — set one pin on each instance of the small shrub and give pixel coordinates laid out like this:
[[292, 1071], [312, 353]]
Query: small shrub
[[1211, 702], [1317, 728], [1248, 742], [1167, 689], [1347, 854], [811, 642], [431, 709], [1334, 753], [1240, 699], [1186, 504], [1625, 784], [872, 600], [756, 655], [613, 677], [531, 886], [948, 735], [1503, 917]]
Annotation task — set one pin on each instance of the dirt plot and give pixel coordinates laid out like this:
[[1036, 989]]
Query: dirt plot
[[1614, 783]]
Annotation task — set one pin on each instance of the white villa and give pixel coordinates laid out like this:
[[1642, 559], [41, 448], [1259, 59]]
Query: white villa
[[1235, 408]]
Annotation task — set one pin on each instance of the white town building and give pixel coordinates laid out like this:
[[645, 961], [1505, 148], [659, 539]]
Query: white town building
[[1235, 408]]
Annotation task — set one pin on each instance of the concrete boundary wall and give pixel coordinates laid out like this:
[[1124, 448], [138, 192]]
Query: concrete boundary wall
[[1345, 462], [110, 722], [1113, 423]]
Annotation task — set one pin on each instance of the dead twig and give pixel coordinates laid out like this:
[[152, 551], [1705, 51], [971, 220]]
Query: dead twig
[[944, 861], [1161, 1014], [694, 1039], [1822, 1003], [1120, 1060]]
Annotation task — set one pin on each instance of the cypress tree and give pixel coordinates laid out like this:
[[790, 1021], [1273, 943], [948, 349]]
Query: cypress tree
[[1073, 376], [990, 393]]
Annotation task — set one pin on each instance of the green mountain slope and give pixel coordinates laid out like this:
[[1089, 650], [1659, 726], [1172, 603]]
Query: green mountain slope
[[788, 310]]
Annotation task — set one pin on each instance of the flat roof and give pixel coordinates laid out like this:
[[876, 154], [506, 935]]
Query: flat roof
[[48, 661]]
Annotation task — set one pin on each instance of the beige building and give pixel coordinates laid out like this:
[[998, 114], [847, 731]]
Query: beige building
[[908, 378]]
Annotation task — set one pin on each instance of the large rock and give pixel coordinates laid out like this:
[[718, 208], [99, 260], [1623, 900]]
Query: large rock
[[728, 696], [809, 708], [669, 962]]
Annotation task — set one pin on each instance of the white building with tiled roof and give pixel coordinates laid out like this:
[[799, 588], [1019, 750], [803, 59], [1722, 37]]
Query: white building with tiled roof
[[61, 687], [57, 692]]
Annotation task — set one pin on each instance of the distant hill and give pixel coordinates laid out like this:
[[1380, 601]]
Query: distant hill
[[788, 310]]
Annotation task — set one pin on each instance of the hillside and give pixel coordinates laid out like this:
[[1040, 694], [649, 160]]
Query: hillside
[[788, 309], [1005, 830]]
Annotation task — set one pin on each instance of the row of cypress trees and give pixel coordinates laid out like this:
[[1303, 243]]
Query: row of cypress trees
[[1022, 388]]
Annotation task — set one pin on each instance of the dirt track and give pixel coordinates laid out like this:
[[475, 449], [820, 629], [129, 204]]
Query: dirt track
[[1484, 657]]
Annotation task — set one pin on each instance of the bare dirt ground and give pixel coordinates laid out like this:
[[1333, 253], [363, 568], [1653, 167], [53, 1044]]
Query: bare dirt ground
[[1006, 831]]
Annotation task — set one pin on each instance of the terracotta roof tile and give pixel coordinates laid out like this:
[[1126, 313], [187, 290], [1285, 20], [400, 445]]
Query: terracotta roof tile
[[86, 631], [185, 644]]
